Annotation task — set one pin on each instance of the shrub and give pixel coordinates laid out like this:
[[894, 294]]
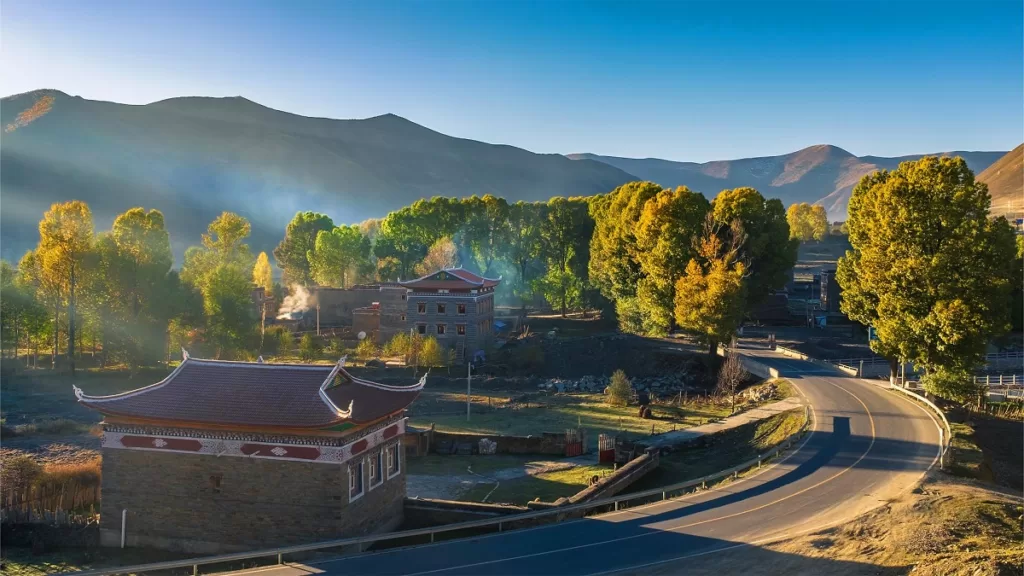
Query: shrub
[[431, 353], [367, 349], [310, 347], [285, 342], [272, 340], [955, 385], [399, 345], [335, 348], [620, 391]]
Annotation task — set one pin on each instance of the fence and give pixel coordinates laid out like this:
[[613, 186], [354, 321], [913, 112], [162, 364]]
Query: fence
[[556, 514], [66, 504], [946, 434]]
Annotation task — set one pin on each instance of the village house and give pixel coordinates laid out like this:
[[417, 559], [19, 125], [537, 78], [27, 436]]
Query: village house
[[224, 456], [454, 305]]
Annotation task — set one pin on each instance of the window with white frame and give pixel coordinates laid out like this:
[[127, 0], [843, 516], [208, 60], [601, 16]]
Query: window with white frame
[[376, 468], [394, 466], [355, 480]]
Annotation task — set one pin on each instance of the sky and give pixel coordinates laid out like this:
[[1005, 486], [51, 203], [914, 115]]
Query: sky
[[693, 81]]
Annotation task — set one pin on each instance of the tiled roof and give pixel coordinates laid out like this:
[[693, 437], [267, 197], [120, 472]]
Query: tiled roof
[[452, 278], [257, 395]]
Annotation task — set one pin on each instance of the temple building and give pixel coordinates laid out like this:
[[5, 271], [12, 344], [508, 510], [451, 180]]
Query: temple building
[[225, 456], [454, 305]]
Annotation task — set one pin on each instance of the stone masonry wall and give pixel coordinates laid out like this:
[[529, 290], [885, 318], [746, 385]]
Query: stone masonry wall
[[172, 503]]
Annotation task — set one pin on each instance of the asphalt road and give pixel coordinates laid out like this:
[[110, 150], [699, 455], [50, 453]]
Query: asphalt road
[[867, 445]]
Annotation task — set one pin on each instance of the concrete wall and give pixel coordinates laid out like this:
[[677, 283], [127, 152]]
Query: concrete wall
[[551, 443], [425, 512], [172, 503], [619, 480]]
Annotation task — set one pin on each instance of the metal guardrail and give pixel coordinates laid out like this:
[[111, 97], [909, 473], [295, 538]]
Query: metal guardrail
[[948, 432], [362, 541]]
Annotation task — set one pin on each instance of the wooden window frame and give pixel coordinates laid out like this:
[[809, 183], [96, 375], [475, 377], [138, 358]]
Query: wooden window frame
[[358, 468]]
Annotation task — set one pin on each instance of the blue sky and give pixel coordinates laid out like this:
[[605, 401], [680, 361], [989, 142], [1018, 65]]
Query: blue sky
[[690, 81]]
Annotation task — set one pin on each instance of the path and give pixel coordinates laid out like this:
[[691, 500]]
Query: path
[[743, 418], [450, 487]]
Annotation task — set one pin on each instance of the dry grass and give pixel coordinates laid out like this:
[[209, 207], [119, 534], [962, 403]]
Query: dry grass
[[547, 487]]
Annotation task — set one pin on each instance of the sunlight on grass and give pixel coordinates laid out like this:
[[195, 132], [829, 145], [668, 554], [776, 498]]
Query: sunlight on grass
[[548, 487]]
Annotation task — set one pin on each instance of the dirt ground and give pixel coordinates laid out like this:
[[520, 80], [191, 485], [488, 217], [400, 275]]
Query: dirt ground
[[946, 527]]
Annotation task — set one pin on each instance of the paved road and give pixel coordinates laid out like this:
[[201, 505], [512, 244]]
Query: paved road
[[867, 445]]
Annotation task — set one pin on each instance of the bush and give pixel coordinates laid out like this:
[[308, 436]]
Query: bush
[[431, 353], [400, 345], [367, 350], [310, 347], [272, 340], [955, 385], [286, 342], [620, 391], [335, 348]]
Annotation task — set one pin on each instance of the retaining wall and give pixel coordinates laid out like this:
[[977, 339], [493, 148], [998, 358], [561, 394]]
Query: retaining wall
[[547, 443]]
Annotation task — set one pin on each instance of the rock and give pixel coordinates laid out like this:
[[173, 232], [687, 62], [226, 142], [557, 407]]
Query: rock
[[376, 363]]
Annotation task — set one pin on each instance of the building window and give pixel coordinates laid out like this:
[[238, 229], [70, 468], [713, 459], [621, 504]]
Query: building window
[[421, 328], [403, 296], [393, 463], [461, 308], [441, 328], [460, 329], [441, 308], [421, 307], [355, 480], [403, 317], [376, 472], [215, 483]]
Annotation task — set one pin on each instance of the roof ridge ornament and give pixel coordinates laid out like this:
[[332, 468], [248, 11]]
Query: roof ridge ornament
[[260, 360], [184, 354], [78, 392]]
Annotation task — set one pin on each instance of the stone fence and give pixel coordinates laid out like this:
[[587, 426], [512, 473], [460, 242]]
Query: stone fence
[[418, 442]]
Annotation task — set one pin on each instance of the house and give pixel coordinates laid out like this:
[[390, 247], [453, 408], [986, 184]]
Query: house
[[454, 305], [224, 456]]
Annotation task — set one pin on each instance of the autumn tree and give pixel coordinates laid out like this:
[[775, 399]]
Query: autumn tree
[[807, 222], [711, 294], [928, 269], [65, 238], [299, 239], [664, 235], [21, 314], [443, 254], [614, 267]]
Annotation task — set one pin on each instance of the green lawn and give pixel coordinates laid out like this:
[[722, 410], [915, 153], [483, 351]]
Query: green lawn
[[548, 487], [450, 465], [573, 410]]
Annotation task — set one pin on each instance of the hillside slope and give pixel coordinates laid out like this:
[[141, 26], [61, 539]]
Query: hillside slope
[[821, 174], [195, 157], [1005, 181]]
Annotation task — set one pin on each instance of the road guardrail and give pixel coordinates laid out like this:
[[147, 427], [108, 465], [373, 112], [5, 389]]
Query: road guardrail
[[361, 542]]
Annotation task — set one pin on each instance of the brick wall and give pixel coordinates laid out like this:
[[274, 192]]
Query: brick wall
[[172, 503]]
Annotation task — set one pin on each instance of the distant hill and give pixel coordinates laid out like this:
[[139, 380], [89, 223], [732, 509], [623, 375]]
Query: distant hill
[[195, 157], [822, 174], [1005, 179]]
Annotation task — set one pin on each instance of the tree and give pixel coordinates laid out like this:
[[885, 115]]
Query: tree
[[928, 270], [336, 254], [730, 377], [613, 265], [620, 391], [956, 385], [710, 296], [309, 347], [664, 236], [564, 244], [47, 290], [299, 239], [21, 314], [524, 243], [487, 229], [65, 238], [442, 255], [262, 274], [807, 222], [431, 354], [768, 253]]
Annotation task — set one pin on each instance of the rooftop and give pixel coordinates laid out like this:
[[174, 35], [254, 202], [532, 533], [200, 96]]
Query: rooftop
[[257, 394], [452, 279]]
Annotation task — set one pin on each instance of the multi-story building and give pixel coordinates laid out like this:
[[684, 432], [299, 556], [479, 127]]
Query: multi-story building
[[454, 305], [223, 456]]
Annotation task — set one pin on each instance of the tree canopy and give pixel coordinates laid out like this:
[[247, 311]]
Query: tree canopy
[[807, 222], [299, 238]]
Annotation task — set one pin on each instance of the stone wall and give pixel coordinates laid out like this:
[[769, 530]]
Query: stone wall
[[425, 512], [173, 504], [551, 443]]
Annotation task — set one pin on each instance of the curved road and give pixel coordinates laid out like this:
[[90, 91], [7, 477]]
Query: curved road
[[867, 445]]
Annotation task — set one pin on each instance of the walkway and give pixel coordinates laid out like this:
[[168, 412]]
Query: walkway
[[741, 419]]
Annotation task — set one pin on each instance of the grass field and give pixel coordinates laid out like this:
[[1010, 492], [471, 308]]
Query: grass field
[[450, 465], [547, 487]]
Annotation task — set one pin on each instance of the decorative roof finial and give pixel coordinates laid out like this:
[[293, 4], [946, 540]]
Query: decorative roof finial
[[184, 354], [341, 361], [78, 392], [259, 360]]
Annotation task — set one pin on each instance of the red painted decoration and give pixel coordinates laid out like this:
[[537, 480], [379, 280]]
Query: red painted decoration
[[360, 446], [390, 432], [298, 452], [157, 443]]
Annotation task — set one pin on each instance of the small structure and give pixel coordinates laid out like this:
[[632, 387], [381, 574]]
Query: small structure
[[224, 456], [454, 305]]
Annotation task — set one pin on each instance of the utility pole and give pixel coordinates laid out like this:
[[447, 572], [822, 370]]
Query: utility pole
[[469, 380], [318, 315]]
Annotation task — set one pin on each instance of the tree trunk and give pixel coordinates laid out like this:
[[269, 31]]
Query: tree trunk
[[56, 335], [894, 371], [712, 348], [71, 322], [17, 338]]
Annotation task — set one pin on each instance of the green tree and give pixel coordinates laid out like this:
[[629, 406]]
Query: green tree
[[613, 264], [620, 390], [299, 239], [710, 296], [337, 254], [768, 252], [952, 384], [524, 243], [309, 347], [65, 238], [565, 239], [928, 270], [21, 315], [487, 229]]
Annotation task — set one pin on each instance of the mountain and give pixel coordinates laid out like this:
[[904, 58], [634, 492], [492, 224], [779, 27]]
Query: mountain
[[192, 158], [822, 174], [1005, 181]]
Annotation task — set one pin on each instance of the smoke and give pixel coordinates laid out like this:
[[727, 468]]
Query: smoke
[[294, 305]]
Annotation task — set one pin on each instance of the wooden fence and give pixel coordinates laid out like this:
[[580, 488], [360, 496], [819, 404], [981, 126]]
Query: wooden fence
[[69, 503]]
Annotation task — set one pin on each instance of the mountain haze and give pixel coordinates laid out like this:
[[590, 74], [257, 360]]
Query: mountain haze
[[195, 157], [822, 174]]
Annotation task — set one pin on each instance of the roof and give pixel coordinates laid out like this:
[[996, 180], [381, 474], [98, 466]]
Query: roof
[[451, 278], [257, 394]]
